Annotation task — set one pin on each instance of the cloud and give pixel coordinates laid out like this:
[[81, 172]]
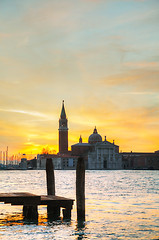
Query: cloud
[[17, 132], [102, 58], [146, 65], [49, 14], [141, 93], [4, 35], [134, 128], [35, 114], [140, 76], [139, 17]]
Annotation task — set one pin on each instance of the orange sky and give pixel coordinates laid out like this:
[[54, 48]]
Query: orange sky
[[101, 57]]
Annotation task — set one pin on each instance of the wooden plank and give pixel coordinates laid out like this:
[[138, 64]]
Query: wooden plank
[[31, 201], [51, 197], [17, 194], [56, 201], [22, 198], [25, 198]]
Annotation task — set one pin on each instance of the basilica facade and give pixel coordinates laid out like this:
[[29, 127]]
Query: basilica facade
[[98, 154]]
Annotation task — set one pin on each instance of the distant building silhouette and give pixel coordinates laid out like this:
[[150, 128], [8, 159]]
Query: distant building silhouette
[[63, 131], [140, 160], [98, 154]]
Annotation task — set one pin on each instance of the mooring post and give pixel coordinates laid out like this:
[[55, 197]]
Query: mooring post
[[67, 212], [80, 189], [53, 213], [50, 177], [30, 212]]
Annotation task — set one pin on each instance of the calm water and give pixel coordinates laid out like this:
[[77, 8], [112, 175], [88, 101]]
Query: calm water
[[119, 205]]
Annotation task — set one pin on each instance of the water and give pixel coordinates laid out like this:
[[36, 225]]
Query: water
[[119, 205]]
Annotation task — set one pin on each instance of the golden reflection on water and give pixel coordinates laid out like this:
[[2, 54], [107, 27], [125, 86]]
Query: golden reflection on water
[[112, 216], [18, 219], [124, 218], [124, 209], [11, 219]]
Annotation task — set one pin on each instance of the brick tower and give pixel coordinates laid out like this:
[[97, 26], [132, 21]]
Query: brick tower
[[63, 131]]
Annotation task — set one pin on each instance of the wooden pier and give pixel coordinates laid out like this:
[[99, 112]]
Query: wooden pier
[[30, 203]]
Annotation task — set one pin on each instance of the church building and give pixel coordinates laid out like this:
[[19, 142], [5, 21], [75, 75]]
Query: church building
[[98, 154]]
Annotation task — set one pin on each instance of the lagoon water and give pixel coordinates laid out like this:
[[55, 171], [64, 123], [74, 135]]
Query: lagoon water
[[119, 205]]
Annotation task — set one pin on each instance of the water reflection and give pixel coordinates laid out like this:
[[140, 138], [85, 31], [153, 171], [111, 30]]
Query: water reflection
[[19, 219], [80, 229], [119, 205], [11, 219]]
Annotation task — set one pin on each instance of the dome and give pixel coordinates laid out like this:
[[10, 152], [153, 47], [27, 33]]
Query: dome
[[95, 137]]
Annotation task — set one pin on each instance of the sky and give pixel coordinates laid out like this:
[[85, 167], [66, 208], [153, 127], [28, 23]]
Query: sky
[[100, 56]]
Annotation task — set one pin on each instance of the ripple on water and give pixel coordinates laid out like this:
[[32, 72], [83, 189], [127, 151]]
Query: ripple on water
[[119, 205]]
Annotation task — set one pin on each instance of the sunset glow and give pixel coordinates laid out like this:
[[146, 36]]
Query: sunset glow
[[101, 57]]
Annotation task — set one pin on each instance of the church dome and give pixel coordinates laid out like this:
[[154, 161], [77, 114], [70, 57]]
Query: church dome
[[95, 137]]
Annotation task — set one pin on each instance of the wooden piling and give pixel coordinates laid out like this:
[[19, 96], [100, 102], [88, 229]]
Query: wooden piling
[[30, 212], [50, 177], [80, 189], [52, 211]]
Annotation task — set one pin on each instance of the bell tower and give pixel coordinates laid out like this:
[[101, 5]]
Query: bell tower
[[63, 131]]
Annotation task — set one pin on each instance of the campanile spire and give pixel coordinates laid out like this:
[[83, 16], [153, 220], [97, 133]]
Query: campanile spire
[[63, 131], [63, 113]]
